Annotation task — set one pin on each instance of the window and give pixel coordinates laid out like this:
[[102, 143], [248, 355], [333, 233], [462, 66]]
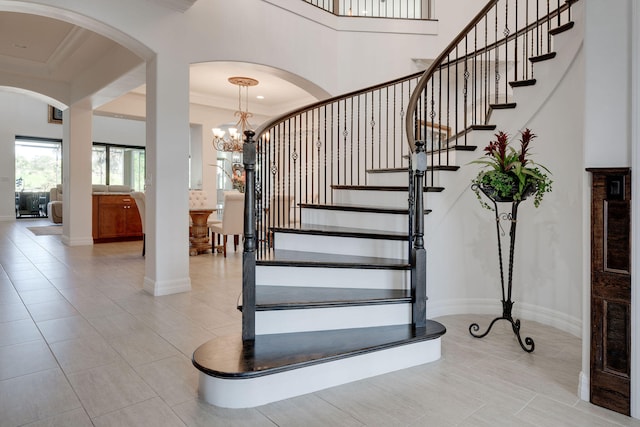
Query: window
[[38, 164], [117, 164]]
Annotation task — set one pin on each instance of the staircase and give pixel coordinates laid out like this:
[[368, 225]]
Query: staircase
[[334, 286]]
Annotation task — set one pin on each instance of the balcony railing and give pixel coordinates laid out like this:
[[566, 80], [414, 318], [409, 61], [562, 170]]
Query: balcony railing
[[398, 9]]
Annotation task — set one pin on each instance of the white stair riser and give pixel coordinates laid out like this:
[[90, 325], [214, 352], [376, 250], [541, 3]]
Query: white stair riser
[[371, 198], [394, 178], [395, 249], [332, 277], [256, 391], [319, 319], [366, 220]]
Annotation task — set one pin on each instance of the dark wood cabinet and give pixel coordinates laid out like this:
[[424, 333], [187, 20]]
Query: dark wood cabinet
[[115, 218], [611, 288]]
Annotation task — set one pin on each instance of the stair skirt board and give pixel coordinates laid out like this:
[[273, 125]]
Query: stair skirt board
[[332, 278], [394, 249], [367, 220], [333, 318], [256, 391]]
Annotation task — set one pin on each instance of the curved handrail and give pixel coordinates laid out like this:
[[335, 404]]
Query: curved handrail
[[259, 131], [429, 72]]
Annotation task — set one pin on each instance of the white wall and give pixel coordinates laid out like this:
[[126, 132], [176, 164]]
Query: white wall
[[463, 269]]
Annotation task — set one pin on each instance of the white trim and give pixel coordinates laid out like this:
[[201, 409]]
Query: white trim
[[166, 287], [256, 391], [583, 386], [87, 241], [523, 311]]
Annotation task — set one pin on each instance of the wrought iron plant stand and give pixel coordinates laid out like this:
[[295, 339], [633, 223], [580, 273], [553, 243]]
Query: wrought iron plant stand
[[507, 304]]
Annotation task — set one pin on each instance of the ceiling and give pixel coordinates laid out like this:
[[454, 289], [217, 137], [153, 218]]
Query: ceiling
[[58, 51]]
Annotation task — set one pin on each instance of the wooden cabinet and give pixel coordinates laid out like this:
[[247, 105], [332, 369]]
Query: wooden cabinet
[[115, 218], [611, 288]]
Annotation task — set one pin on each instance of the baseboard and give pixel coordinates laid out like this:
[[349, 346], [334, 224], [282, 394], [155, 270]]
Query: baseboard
[[523, 311], [167, 287], [583, 387], [87, 241]]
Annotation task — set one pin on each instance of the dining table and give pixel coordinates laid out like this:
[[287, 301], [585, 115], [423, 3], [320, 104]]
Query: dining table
[[199, 231]]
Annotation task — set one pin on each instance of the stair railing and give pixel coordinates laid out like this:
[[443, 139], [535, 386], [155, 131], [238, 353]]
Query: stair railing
[[302, 155], [461, 88]]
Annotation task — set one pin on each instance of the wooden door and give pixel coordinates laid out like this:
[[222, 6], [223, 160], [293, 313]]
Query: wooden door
[[611, 289]]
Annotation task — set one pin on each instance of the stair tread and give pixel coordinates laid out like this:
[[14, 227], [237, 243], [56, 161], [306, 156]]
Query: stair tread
[[505, 106], [358, 208], [430, 189], [283, 257], [522, 83], [332, 230], [298, 297], [562, 28], [435, 168], [230, 357], [543, 57]]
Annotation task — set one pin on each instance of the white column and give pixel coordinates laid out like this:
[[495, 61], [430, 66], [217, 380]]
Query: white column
[[167, 176], [76, 176]]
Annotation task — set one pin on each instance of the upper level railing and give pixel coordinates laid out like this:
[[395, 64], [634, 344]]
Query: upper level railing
[[400, 9]]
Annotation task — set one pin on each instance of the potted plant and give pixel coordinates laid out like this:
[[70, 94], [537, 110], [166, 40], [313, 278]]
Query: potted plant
[[509, 174]]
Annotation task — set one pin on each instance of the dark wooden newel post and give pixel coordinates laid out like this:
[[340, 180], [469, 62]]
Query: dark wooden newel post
[[418, 253], [249, 252]]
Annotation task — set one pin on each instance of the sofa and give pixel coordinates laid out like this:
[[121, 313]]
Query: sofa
[[54, 207]]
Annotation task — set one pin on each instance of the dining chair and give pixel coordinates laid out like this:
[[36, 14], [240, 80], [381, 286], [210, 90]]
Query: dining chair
[[232, 221]]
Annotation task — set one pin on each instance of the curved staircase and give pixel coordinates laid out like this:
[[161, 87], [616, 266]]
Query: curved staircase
[[335, 291]]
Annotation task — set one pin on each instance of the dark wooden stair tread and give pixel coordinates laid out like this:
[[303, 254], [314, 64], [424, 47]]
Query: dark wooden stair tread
[[505, 106], [281, 257], [229, 357], [331, 230], [384, 188], [302, 297], [429, 168], [522, 83], [541, 58], [358, 208], [562, 28]]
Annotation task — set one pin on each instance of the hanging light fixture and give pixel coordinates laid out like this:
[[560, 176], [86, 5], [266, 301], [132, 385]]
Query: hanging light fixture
[[232, 142]]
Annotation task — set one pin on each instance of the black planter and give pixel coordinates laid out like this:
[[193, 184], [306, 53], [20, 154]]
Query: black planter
[[495, 195]]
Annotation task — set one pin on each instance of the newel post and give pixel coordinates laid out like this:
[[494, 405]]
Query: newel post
[[249, 251], [418, 252]]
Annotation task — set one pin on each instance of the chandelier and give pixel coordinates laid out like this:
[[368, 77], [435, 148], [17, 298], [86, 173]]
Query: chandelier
[[234, 140]]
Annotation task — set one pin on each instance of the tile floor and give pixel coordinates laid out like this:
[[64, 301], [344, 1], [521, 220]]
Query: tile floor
[[81, 344]]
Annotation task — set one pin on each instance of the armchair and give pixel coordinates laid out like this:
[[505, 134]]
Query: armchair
[[54, 207]]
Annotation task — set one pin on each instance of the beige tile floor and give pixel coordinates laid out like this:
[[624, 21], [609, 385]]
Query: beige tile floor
[[81, 344]]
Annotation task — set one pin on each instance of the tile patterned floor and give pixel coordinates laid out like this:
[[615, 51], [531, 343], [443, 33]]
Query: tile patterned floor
[[81, 344]]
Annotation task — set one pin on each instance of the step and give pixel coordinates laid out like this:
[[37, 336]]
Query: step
[[342, 240], [400, 176], [296, 268], [387, 219], [523, 83], [288, 309], [561, 28], [237, 374], [543, 57], [376, 196]]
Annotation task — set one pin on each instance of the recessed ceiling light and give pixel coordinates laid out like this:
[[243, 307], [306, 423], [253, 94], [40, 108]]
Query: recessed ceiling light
[[260, 97], [19, 46]]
